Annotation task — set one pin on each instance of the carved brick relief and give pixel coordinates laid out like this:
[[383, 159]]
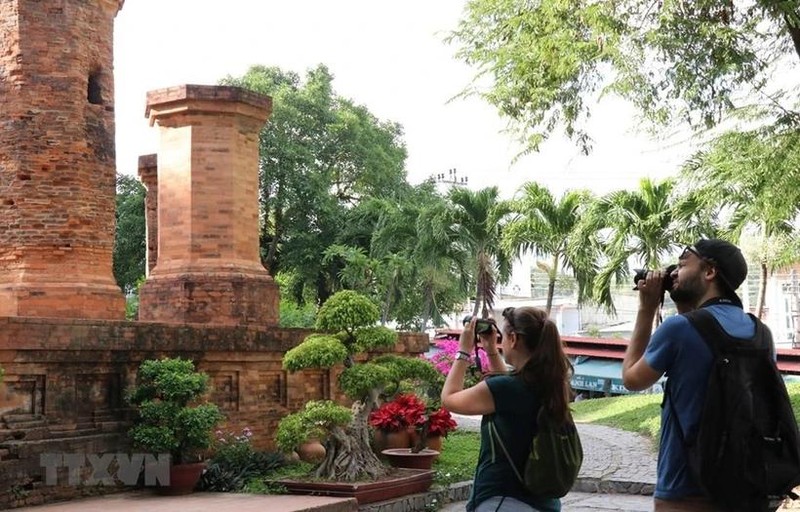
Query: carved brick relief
[[98, 391], [225, 390], [25, 395]]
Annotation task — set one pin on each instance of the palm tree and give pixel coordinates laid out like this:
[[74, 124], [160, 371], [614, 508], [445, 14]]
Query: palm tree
[[550, 228], [476, 222], [750, 179], [420, 265], [648, 225], [440, 260]]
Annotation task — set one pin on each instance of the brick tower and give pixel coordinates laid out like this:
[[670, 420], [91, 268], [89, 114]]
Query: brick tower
[[57, 168], [208, 267]]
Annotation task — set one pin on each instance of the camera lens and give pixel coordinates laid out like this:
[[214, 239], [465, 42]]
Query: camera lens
[[666, 283]]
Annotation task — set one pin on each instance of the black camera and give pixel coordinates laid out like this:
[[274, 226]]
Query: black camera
[[482, 326], [666, 284]]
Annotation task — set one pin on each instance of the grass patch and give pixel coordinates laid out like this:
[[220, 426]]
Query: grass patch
[[458, 459], [635, 413]]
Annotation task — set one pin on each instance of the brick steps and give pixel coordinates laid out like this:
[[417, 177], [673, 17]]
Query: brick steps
[[71, 433]]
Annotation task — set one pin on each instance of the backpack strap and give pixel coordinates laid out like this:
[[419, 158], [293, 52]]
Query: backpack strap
[[709, 329], [495, 435], [712, 333]]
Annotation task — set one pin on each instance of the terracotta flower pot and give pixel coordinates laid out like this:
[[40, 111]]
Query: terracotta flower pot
[[405, 458], [183, 478], [312, 451], [398, 439], [434, 443]]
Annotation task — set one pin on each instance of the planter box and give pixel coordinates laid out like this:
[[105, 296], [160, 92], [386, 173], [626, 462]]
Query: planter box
[[399, 483]]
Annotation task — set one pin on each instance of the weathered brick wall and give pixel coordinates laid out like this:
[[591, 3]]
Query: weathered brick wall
[[57, 159], [65, 381]]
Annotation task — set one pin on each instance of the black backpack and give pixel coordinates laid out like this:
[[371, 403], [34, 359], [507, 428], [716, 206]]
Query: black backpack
[[745, 454]]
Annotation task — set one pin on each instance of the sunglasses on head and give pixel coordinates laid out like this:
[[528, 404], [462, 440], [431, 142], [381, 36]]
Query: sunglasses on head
[[690, 249], [508, 314]]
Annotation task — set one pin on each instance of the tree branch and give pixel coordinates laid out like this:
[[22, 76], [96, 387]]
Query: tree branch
[[794, 32]]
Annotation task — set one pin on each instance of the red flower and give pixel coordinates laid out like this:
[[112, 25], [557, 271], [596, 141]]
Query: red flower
[[400, 413], [440, 422]]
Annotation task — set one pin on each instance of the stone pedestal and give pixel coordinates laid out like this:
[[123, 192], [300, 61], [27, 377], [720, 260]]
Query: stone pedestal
[[208, 268]]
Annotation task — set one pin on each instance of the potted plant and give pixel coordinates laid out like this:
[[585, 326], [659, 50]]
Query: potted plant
[[349, 331], [302, 431], [394, 421], [427, 424], [168, 424], [435, 424]]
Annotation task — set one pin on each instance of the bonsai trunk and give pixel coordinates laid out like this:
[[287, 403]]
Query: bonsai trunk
[[349, 455]]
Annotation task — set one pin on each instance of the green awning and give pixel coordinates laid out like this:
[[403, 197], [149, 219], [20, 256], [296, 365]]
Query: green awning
[[602, 375]]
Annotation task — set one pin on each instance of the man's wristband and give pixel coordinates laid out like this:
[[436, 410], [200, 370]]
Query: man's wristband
[[462, 356]]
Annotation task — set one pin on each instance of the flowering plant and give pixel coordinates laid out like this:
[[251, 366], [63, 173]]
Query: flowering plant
[[402, 412], [231, 448], [443, 360], [440, 422]]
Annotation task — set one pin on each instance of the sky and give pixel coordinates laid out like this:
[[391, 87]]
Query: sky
[[388, 56]]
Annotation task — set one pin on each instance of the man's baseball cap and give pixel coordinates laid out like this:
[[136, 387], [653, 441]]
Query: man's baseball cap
[[728, 260]]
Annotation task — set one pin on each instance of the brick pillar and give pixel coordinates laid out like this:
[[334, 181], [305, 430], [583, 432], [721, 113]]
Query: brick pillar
[[57, 159], [148, 173], [209, 267]]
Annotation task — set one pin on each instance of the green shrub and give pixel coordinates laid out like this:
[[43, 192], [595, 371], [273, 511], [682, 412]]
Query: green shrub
[[166, 423]]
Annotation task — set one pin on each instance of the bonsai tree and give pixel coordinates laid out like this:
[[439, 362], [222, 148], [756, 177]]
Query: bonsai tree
[[167, 423], [348, 321], [313, 422]]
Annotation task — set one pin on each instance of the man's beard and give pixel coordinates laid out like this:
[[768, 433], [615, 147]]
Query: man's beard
[[687, 293]]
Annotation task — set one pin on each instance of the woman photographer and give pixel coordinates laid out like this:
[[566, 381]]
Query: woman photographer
[[532, 346]]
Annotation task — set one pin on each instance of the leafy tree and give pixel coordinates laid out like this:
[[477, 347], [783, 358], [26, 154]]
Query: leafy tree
[[747, 173], [130, 246], [475, 219], [679, 60], [550, 227], [320, 154], [415, 269]]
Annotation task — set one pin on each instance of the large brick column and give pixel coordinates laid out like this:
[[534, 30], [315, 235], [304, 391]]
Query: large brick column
[[208, 268], [57, 159], [148, 173]]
